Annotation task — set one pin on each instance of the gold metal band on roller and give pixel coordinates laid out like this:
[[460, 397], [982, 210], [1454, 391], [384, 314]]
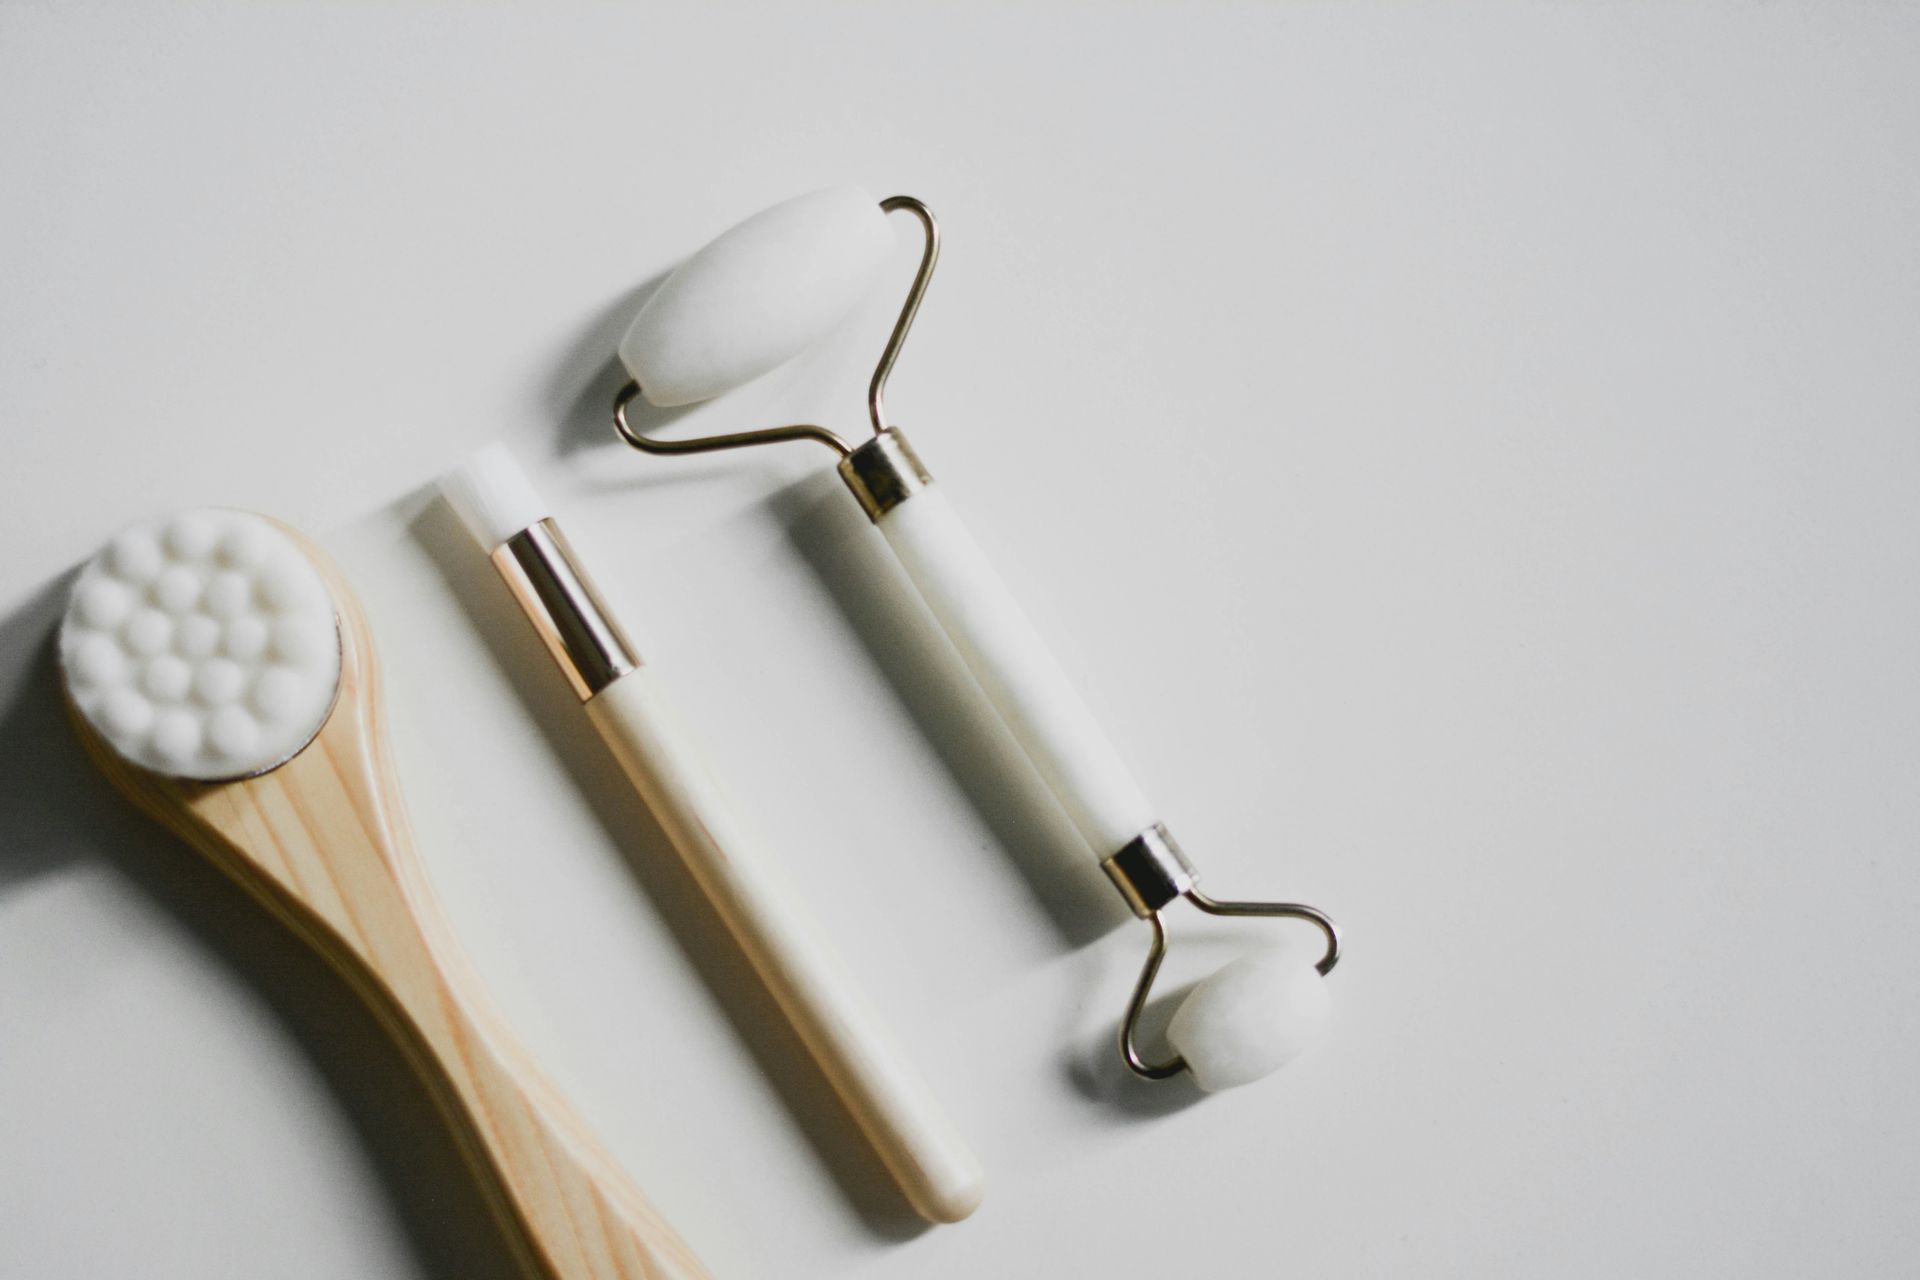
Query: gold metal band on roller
[[884, 472]]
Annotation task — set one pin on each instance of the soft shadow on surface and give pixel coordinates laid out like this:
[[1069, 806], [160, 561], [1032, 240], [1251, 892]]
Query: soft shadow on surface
[[580, 393], [762, 1028], [58, 813], [852, 561]]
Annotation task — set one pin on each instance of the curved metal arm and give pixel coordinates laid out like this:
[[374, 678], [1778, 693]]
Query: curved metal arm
[[709, 444], [1157, 952], [876, 389], [1135, 1007], [1295, 910], [929, 259]]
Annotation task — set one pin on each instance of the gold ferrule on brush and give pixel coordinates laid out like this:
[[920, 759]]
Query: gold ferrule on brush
[[565, 608]]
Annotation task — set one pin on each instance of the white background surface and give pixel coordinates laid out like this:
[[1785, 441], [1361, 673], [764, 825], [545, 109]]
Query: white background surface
[[1470, 459]]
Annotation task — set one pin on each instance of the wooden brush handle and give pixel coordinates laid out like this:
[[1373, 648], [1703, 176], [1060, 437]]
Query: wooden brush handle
[[323, 842], [887, 1098]]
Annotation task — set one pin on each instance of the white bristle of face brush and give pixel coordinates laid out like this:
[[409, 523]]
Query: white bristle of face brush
[[202, 646], [1251, 1018], [757, 296], [493, 496]]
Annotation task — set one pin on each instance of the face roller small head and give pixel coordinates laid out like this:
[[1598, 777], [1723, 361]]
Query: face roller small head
[[1250, 1018], [203, 646]]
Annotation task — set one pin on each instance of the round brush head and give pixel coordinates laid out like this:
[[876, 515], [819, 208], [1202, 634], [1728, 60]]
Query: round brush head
[[757, 296], [202, 646], [1250, 1018]]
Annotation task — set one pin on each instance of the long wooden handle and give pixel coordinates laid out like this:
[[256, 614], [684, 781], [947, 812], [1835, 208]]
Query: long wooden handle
[[576, 1209], [886, 1096], [323, 842]]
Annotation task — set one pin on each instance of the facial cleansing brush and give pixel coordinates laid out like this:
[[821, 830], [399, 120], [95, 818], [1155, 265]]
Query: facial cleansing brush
[[754, 297], [221, 675]]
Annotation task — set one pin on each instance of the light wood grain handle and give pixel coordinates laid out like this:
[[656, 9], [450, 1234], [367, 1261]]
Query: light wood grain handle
[[886, 1096], [579, 1211]]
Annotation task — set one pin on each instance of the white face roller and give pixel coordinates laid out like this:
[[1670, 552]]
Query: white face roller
[[221, 675], [755, 297]]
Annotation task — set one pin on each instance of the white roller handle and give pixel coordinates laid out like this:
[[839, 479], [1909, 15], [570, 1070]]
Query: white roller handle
[[885, 1095], [1018, 672]]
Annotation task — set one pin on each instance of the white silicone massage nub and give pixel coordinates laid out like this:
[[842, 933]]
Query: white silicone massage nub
[[757, 296], [202, 646], [1250, 1018]]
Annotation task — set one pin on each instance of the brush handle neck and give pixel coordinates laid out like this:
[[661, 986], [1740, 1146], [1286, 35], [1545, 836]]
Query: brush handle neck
[[361, 897]]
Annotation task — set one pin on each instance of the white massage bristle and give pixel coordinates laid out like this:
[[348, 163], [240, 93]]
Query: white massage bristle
[[757, 296], [493, 496], [1251, 1018], [165, 645]]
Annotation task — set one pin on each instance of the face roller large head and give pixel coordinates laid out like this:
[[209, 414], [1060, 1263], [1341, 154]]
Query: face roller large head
[[221, 675], [760, 294]]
